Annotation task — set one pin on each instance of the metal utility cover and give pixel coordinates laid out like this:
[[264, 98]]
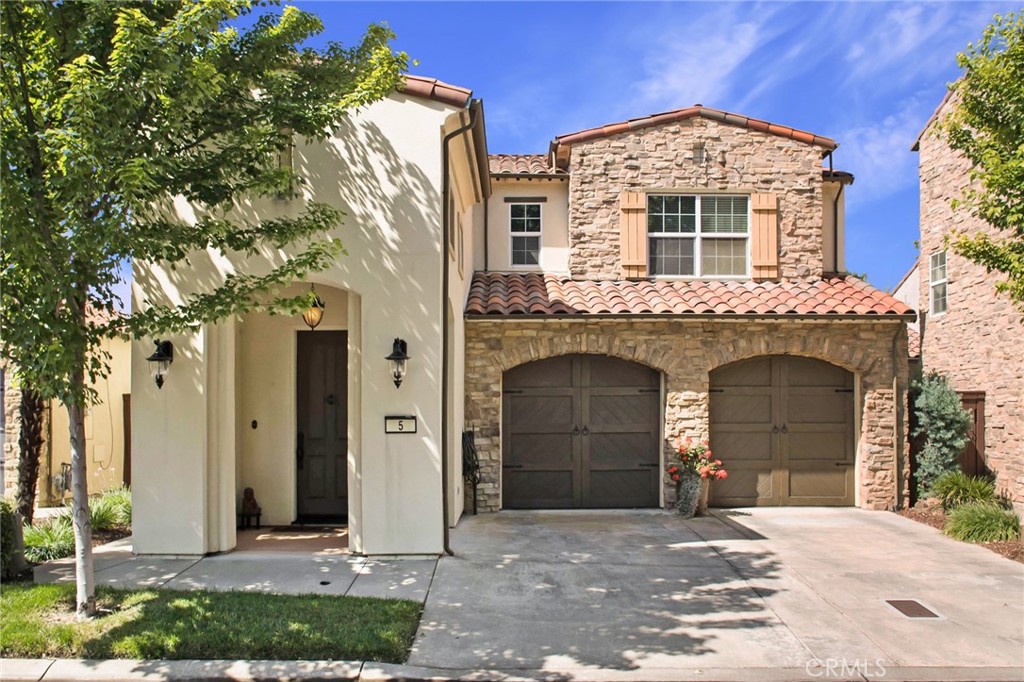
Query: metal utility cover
[[911, 608]]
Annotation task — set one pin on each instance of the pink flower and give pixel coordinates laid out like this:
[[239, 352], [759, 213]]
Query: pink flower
[[718, 462], [675, 477], [721, 474]]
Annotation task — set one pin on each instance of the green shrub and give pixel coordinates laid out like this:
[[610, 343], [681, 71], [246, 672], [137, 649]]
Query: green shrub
[[121, 500], [53, 539], [943, 425], [982, 522], [957, 488], [8, 547]]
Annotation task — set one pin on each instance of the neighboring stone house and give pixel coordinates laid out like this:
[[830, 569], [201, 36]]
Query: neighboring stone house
[[674, 276], [970, 333]]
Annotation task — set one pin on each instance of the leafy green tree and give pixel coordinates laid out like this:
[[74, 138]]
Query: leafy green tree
[[987, 127], [109, 109]]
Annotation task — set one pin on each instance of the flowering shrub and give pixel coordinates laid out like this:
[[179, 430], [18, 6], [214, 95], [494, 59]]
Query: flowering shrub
[[695, 459]]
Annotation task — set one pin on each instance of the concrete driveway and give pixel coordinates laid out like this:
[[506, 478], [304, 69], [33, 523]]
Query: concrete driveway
[[649, 595]]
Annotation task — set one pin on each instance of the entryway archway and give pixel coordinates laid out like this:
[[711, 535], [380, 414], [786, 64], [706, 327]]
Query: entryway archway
[[581, 431], [784, 427]]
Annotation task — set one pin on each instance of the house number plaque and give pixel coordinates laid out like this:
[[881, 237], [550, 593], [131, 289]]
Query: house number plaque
[[400, 424]]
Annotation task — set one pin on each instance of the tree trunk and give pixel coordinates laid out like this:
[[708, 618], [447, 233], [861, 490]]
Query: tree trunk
[[30, 444], [85, 602]]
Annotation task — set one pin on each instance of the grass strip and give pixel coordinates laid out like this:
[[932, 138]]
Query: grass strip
[[38, 621]]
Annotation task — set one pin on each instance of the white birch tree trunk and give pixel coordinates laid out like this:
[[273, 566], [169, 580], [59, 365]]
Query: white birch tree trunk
[[85, 600]]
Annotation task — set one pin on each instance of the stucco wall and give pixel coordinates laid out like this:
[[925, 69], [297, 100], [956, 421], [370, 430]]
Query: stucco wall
[[104, 432], [660, 158], [382, 166], [686, 352], [976, 343], [554, 251]]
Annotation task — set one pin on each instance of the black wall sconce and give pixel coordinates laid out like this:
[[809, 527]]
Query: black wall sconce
[[160, 361], [398, 359], [315, 312]]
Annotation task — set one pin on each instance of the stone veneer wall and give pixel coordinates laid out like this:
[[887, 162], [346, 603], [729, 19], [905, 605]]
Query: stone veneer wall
[[12, 431], [977, 342], [686, 352], [659, 157]]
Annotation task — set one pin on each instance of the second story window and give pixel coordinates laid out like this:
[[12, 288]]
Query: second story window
[[524, 223], [698, 235], [937, 282]]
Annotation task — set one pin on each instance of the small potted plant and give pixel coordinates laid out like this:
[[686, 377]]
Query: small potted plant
[[691, 470]]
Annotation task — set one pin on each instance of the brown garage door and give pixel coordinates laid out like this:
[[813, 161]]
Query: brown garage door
[[580, 431], [783, 426]]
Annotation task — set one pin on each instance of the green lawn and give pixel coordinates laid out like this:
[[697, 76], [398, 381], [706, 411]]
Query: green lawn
[[37, 621]]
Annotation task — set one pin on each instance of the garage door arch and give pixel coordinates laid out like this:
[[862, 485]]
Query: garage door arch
[[784, 427], [581, 431]]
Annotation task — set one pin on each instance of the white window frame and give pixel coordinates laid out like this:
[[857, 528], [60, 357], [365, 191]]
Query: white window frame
[[933, 283], [698, 237], [512, 236]]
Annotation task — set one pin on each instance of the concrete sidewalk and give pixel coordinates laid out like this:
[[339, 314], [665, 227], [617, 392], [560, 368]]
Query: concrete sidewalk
[[270, 571], [21, 670]]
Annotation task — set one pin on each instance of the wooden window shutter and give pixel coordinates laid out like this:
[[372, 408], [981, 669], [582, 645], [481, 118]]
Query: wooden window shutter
[[764, 240], [633, 234]]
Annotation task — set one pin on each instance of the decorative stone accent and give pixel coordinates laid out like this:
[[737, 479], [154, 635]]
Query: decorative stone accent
[[659, 157], [686, 352], [12, 431], [976, 343]]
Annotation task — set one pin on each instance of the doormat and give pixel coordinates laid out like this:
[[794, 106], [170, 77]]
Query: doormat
[[308, 529]]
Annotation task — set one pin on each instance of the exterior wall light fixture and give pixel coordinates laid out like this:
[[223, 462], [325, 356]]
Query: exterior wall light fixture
[[160, 361], [315, 312], [398, 359]]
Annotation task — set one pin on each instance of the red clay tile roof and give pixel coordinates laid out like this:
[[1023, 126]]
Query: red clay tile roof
[[515, 294], [692, 112], [431, 88], [914, 343], [522, 164]]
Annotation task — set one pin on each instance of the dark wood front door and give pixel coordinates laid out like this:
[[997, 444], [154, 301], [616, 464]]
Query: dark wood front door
[[580, 431], [783, 427], [322, 418], [972, 459]]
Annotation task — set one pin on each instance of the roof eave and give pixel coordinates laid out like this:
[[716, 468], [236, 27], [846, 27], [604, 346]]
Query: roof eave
[[896, 317]]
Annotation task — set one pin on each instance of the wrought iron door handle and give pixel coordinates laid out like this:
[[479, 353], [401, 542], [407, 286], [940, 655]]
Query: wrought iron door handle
[[784, 429], [775, 429], [586, 431], [575, 430]]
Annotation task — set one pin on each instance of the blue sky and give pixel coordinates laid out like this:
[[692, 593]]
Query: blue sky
[[868, 74]]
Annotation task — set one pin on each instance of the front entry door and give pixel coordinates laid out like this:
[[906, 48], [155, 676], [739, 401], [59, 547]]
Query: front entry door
[[321, 451]]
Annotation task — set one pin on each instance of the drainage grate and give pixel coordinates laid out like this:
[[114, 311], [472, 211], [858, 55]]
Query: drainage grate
[[911, 608]]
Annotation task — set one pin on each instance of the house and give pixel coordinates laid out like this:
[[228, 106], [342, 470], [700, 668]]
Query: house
[[579, 312], [108, 460], [970, 333], [908, 290]]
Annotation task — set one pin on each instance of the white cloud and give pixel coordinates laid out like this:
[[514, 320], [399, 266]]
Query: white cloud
[[878, 153]]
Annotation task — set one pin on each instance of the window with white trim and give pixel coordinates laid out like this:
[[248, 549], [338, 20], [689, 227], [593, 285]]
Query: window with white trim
[[524, 224], [937, 282], [693, 235]]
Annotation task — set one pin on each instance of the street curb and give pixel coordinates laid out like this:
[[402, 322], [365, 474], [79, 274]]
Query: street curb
[[123, 670]]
